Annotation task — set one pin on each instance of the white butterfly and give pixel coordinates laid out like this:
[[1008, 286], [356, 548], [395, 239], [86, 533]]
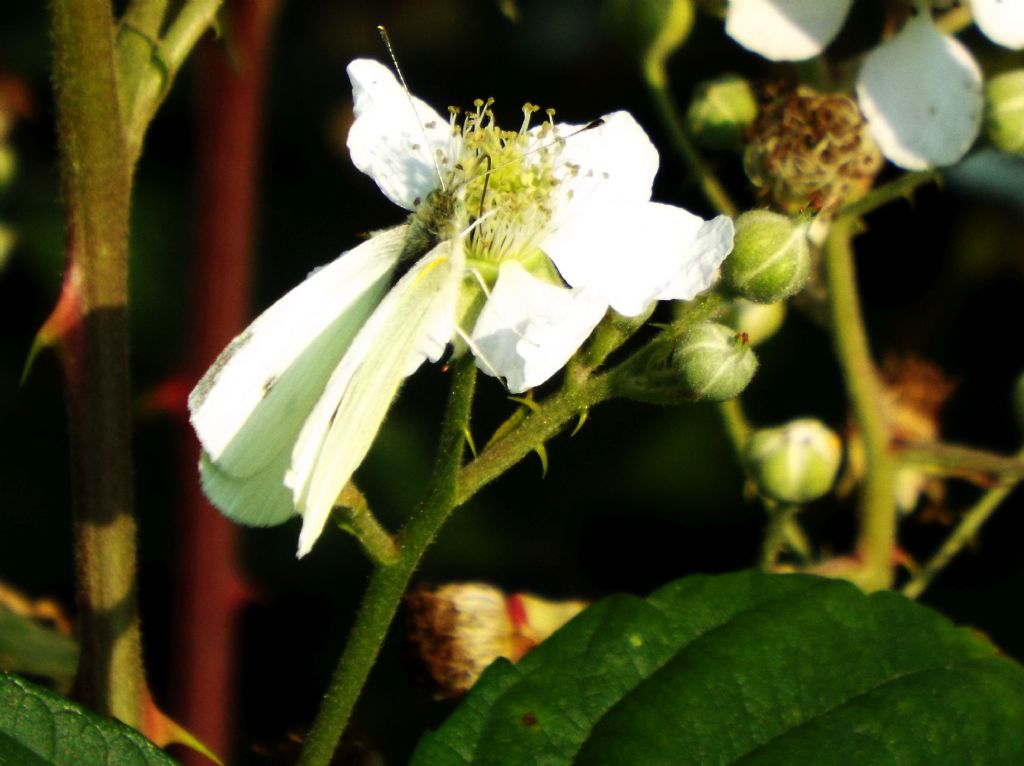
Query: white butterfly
[[289, 410]]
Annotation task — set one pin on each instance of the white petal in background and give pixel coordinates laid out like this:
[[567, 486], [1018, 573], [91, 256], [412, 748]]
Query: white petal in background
[[629, 255], [1002, 21], [388, 142], [785, 30], [529, 328], [921, 94]]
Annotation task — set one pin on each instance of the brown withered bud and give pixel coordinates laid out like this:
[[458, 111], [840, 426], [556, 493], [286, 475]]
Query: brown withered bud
[[914, 394], [810, 150], [459, 629]]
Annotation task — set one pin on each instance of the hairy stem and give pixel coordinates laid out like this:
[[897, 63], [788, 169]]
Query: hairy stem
[[352, 513], [876, 537], [388, 583], [89, 328]]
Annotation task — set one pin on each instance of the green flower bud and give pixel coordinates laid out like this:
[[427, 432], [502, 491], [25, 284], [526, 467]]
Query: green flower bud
[[771, 257], [652, 29], [714, 361], [721, 111], [759, 321], [794, 463], [1004, 111]]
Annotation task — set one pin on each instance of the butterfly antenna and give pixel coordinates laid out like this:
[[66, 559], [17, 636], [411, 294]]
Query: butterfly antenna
[[401, 78]]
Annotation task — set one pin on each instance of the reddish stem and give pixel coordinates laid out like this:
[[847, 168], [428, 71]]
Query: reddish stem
[[210, 588]]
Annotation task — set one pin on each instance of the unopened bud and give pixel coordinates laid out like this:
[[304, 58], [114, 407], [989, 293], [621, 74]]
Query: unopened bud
[[771, 257], [759, 321], [794, 463], [721, 111], [715, 361], [1004, 111]]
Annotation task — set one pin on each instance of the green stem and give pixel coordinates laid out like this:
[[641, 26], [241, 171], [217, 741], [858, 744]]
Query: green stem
[[547, 420], [352, 513], [780, 518], [965, 532], [899, 188], [89, 327], [388, 583], [154, 81], [877, 503], [658, 84], [966, 462], [736, 425]]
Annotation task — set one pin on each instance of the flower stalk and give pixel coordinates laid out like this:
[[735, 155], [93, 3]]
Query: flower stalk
[[876, 536], [388, 583], [659, 87]]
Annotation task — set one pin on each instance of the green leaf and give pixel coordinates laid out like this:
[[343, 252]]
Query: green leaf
[[29, 648], [38, 727], [747, 668]]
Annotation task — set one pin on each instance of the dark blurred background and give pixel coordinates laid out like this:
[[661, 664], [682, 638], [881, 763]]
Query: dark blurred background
[[639, 496]]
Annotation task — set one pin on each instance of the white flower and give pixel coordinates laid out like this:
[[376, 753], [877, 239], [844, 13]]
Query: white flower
[[922, 97], [920, 91], [522, 201], [520, 241], [785, 30]]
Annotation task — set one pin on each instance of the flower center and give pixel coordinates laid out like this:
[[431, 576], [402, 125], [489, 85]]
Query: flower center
[[500, 190]]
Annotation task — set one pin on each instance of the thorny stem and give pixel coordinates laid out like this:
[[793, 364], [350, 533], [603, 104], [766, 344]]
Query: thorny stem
[[965, 532], [388, 583], [89, 328], [451, 486], [877, 503], [658, 84]]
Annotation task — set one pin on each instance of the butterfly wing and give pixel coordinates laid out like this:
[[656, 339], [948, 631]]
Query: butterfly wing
[[413, 322], [249, 408]]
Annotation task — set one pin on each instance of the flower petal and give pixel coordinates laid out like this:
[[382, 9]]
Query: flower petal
[[700, 263], [529, 328], [1002, 21], [630, 255], [785, 30], [921, 94], [389, 143], [613, 162]]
